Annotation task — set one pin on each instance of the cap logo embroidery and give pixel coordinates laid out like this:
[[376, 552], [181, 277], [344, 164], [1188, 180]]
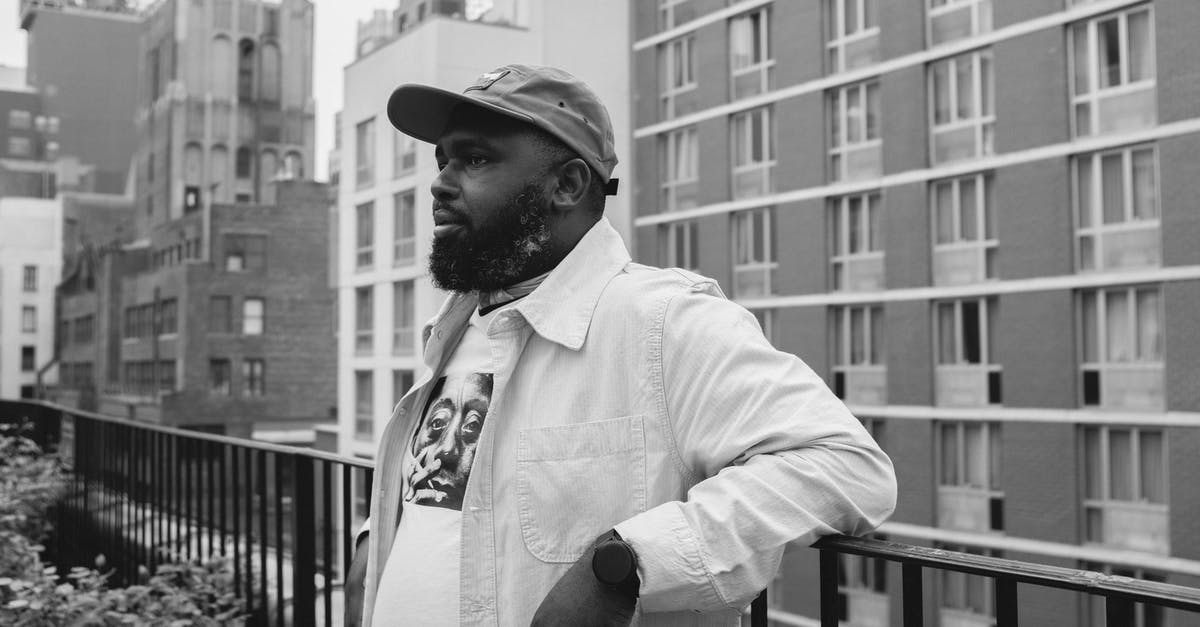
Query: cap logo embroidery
[[487, 79]]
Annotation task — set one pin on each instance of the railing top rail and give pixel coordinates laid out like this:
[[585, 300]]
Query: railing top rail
[[1138, 590], [199, 435]]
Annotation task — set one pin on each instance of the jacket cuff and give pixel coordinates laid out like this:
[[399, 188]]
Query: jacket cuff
[[671, 562]]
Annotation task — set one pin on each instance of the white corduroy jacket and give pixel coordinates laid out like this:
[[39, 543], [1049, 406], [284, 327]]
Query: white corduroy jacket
[[637, 398]]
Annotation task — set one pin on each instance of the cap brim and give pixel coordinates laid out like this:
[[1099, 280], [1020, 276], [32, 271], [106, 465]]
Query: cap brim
[[423, 111]]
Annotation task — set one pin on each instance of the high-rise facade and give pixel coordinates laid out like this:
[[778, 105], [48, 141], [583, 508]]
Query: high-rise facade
[[385, 222], [212, 309], [977, 219]]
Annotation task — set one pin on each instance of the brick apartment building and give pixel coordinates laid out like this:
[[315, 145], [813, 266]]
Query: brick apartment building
[[978, 220], [211, 307]]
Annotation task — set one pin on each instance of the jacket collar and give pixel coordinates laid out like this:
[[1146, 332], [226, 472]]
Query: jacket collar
[[561, 308]]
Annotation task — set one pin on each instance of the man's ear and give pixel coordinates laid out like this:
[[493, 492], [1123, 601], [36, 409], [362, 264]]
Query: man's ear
[[571, 183]]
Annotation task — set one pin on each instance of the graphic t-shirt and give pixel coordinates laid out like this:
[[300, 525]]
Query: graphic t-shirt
[[420, 582]]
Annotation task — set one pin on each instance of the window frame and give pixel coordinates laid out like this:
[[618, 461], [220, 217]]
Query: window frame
[[837, 40], [746, 260], [982, 19], [364, 238], [404, 155], [1094, 94], [249, 319], [29, 319], [982, 101], [666, 13], [364, 405], [840, 240], [254, 378], [1095, 227], [839, 125], [1090, 503], [986, 242], [744, 165], [671, 241], [672, 86], [403, 311], [760, 41], [364, 320], [364, 155], [216, 387], [680, 156], [29, 278], [404, 228]]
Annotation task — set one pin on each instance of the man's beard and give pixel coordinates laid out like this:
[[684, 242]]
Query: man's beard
[[511, 245]]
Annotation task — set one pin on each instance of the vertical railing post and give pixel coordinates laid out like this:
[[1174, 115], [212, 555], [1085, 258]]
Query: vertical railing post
[[1118, 611], [1006, 602], [758, 610], [830, 612], [304, 548], [914, 595]]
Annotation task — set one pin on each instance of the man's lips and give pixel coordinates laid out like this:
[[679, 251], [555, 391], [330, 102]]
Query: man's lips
[[446, 222]]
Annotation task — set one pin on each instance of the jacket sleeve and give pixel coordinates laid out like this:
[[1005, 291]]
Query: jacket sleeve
[[778, 460]]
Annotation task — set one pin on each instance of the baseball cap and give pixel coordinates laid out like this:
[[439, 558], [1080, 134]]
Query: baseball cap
[[548, 98]]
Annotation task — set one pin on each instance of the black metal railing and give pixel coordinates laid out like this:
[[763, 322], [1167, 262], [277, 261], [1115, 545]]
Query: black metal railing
[[1120, 594], [141, 494], [285, 517]]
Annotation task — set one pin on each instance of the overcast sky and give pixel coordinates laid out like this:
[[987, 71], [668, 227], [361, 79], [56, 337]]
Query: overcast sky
[[334, 48]]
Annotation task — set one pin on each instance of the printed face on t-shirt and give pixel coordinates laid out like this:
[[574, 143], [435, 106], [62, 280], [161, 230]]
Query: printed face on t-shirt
[[443, 448]]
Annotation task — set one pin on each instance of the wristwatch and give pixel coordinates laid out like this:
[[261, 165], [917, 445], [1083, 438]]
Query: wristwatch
[[615, 564]]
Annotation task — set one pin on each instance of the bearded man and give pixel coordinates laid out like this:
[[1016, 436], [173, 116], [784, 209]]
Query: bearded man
[[594, 441]]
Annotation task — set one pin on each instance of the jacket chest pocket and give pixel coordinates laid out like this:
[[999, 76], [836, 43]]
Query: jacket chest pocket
[[576, 481]]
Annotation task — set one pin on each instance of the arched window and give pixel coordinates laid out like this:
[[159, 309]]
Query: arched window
[[270, 73], [246, 70], [294, 165], [221, 65], [242, 165]]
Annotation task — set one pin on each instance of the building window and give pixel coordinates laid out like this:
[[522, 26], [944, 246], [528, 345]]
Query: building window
[[856, 244], [969, 495], [967, 599], [750, 54], [1116, 209], [402, 382], [678, 243], [404, 154], [28, 319], [672, 13], [166, 376], [950, 20], [364, 235], [965, 244], [1125, 496], [243, 165], [403, 314], [753, 253], [1122, 360], [220, 314], [855, 143], [218, 377], [364, 155], [29, 278], [245, 253], [246, 65], [364, 405], [964, 338], [168, 316], [1114, 75], [254, 375], [364, 320], [680, 169], [852, 28], [964, 116], [678, 74], [253, 316], [858, 354], [19, 120], [20, 147], [753, 145], [862, 590], [404, 250], [28, 358]]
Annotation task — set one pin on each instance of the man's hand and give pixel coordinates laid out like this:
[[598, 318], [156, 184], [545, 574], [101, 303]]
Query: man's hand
[[355, 578], [580, 599]]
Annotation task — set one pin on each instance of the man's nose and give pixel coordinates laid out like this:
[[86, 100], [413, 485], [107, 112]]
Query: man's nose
[[445, 184]]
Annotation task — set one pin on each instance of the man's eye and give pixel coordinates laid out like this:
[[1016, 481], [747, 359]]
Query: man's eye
[[441, 165], [476, 160]]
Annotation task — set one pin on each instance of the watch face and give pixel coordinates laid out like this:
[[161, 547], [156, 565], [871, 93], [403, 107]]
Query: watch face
[[612, 562]]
